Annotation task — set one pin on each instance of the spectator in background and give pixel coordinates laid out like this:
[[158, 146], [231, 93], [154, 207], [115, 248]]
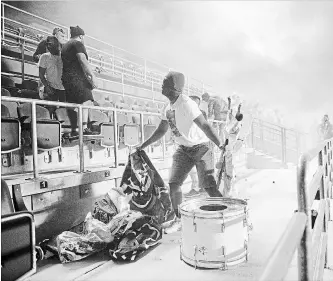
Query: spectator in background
[[50, 71], [193, 174], [77, 77], [41, 48], [217, 110], [325, 128]]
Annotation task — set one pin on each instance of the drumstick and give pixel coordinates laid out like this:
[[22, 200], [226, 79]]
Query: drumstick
[[221, 168]]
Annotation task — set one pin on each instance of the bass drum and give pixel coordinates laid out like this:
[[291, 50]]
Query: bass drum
[[214, 232]]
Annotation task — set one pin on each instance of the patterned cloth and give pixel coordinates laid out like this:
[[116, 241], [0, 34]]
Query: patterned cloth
[[150, 195], [93, 237], [134, 237]]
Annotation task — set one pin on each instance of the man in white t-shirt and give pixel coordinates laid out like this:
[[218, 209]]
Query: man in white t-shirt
[[50, 71], [192, 133]]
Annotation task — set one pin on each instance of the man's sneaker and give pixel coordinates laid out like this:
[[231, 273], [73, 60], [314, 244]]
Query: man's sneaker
[[191, 193], [74, 134], [88, 132], [202, 191], [174, 227]]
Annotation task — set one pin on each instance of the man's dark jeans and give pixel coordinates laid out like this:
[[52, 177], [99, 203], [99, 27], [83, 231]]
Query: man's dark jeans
[[184, 159]]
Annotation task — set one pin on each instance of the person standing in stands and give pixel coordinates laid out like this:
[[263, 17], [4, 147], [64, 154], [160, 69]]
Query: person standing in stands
[[184, 117], [325, 128], [217, 110], [193, 174], [77, 76], [41, 48], [50, 71]]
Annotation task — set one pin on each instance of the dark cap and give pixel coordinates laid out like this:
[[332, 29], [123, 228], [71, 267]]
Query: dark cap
[[51, 39], [76, 31], [174, 81], [56, 30]]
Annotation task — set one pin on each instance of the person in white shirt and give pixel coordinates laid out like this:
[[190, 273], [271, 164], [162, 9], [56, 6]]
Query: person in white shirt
[[50, 72], [192, 133]]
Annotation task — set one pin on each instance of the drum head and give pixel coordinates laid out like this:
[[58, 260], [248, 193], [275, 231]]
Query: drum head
[[213, 207]]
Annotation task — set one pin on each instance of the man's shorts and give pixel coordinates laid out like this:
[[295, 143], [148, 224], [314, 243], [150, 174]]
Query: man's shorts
[[78, 91], [185, 158]]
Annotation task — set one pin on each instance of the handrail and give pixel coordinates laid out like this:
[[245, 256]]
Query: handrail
[[312, 249], [34, 102], [80, 107], [93, 38], [285, 249]]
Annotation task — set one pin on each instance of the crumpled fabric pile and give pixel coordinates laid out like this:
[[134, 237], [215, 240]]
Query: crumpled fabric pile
[[126, 221], [150, 196]]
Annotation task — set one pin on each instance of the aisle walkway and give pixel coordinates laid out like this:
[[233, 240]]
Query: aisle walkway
[[272, 195]]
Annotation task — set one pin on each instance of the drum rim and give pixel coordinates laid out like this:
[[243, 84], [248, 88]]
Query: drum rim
[[212, 214], [216, 264]]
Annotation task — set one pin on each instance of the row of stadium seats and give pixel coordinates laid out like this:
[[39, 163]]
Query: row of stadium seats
[[54, 125], [105, 65]]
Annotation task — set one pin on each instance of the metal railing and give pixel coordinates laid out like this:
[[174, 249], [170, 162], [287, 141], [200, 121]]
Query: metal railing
[[311, 244], [277, 141], [112, 56], [80, 107]]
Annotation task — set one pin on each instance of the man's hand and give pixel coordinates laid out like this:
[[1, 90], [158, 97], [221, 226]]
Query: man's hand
[[93, 82], [48, 90]]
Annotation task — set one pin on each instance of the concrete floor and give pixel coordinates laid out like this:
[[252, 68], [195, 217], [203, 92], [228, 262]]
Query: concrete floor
[[272, 195]]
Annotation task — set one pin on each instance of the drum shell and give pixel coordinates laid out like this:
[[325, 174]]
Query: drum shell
[[214, 239]]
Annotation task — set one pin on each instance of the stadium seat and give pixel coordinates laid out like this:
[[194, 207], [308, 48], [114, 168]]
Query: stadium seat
[[48, 130], [5, 92], [136, 117], [17, 240], [4, 111], [10, 131], [99, 121], [66, 116], [12, 107], [9, 84], [131, 134]]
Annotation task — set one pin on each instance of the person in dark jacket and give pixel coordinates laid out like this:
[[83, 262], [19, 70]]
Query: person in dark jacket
[[77, 75], [42, 46]]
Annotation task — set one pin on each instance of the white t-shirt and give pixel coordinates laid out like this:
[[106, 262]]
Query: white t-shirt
[[53, 65], [180, 116]]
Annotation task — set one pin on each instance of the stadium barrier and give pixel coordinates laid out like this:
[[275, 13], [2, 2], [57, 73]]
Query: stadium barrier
[[311, 244]]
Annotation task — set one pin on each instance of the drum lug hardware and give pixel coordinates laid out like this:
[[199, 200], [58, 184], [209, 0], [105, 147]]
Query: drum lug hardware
[[180, 252], [223, 250], [194, 223], [222, 226], [245, 247], [224, 266], [195, 256]]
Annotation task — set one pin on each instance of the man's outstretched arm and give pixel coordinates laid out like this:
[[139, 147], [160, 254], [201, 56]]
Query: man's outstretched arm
[[158, 134], [207, 129]]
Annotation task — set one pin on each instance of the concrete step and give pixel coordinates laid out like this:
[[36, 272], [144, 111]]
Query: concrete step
[[257, 160]]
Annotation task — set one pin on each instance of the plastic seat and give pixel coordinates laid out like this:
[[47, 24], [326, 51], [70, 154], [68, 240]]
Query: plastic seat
[[4, 111], [17, 240], [99, 121], [68, 119], [7, 82], [10, 131], [48, 130], [29, 89], [136, 117], [5, 92]]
